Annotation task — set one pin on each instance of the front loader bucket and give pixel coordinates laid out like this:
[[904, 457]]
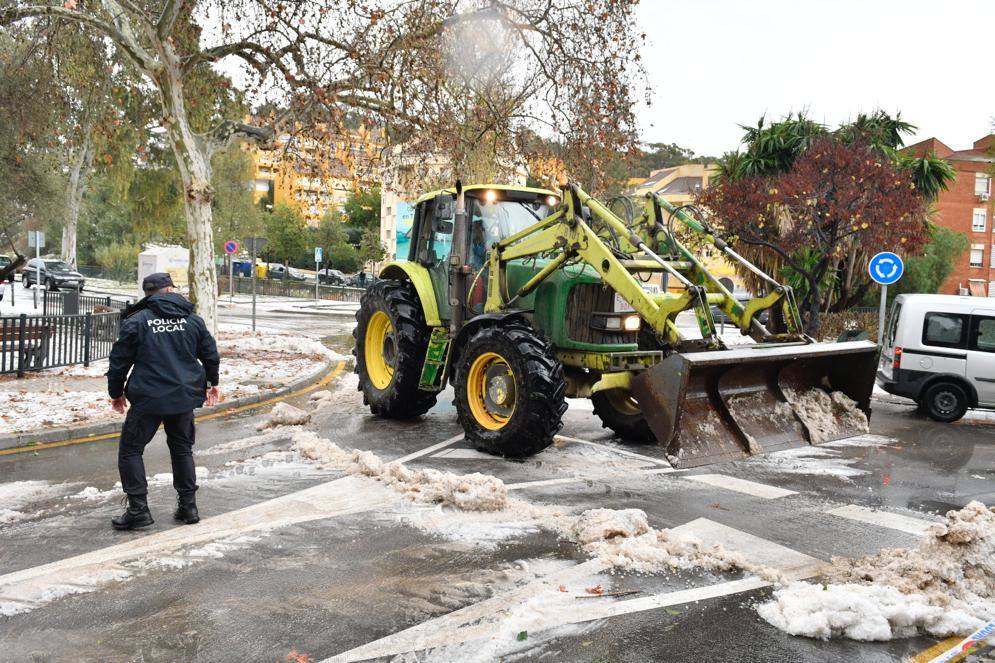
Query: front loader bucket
[[707, 407]]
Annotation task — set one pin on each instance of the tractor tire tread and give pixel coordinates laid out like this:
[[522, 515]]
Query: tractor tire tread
[[402, 399], [544, 387], [628, 427]]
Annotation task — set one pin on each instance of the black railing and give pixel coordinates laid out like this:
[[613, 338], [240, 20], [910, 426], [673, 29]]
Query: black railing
[[282, 288], [36, 342], [56, 303]]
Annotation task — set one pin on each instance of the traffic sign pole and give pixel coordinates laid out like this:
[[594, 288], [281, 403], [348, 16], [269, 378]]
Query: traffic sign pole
[[231, 248], [317, 267], [885, 268]]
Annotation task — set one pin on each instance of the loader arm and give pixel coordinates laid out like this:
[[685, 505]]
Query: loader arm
[[743, 316], [565, 236]]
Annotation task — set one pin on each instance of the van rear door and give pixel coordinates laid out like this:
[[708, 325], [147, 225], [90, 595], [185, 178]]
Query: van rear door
[[888, 342], [981, 355]]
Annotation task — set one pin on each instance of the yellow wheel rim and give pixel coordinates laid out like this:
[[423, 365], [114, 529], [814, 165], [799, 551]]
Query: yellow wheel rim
[[623, 402], [380, 350], [491, 390]]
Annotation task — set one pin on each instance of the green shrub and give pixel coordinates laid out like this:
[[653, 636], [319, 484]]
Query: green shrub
[[118, 261]]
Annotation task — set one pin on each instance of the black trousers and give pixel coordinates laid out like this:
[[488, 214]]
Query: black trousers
[[138, 430]]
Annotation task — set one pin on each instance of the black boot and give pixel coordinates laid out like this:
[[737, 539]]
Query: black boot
[[186, 509], [136, 515]]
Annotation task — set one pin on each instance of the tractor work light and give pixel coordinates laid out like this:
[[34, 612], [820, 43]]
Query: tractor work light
[[551, 201], [490, 196], [631, 323]]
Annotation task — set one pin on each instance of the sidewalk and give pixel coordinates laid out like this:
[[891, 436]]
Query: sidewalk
[[252, 364]]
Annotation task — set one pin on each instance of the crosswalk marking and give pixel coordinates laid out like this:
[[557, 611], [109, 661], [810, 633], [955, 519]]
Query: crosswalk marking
[[741, 485], [896, 521], [481, 621]]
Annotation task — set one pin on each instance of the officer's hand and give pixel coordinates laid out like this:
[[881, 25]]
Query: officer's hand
[[119, 405], [213, 396]]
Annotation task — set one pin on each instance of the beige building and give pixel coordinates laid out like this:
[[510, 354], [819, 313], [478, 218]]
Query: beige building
[[312, 174], [679, 185]]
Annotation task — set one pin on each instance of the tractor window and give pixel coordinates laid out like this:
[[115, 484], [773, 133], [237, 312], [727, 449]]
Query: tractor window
[[504, 218]]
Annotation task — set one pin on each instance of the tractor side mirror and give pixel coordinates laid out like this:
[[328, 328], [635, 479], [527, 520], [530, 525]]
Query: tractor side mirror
[[445, 210]]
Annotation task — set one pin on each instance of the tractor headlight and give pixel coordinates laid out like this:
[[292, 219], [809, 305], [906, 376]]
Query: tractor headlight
[[490, 196], [613, 324], [551, 201], [631, 323]]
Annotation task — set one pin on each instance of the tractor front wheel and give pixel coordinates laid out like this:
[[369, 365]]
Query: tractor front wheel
[[620, 412], [509, 391], [391, 340]]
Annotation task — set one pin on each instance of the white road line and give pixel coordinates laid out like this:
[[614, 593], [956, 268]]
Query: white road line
[[741, 485], [481, 621], [473, 622], [621, 452], [792, 564], [896, 521], [546, 482], [465, 454], [430, 449]]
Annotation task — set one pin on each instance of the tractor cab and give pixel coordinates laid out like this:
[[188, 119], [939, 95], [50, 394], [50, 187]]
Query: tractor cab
[[493, 212]]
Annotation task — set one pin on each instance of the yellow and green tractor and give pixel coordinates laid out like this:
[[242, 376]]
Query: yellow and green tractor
[[520, 298]]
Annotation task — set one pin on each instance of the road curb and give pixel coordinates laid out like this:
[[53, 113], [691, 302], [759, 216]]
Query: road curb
[[54, 435]]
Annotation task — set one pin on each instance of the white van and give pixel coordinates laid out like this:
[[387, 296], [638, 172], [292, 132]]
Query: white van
[[939, 350]]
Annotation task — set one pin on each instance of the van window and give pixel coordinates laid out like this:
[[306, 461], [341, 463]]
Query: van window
[[896, 312], [947, 330], [983, 333]]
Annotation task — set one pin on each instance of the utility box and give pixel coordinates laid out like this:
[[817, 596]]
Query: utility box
[[174, 260]]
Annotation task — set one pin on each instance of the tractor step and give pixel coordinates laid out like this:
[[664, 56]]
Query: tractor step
[[433, 372]]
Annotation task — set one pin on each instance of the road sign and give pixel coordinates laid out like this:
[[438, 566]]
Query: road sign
[[231, 247], [255, 244], [885, 268], [36, 239], [317, 254]]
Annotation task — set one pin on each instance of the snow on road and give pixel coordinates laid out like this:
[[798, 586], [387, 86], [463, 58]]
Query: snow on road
[[251, 363]]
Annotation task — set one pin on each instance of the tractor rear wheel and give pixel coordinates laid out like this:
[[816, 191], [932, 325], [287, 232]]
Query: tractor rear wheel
[[620, 412], [510, 391], [391, 339]]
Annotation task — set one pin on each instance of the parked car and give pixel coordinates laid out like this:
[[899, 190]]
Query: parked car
[[361, 280], [939, 350], [331, 277], [53, 273], [278, 271]]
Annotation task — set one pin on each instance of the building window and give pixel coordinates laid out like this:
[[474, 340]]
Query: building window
[[980, 219], [977, 255], [982, 184], [992, 259]]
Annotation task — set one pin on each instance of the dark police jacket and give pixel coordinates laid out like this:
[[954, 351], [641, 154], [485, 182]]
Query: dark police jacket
[[172, 357]]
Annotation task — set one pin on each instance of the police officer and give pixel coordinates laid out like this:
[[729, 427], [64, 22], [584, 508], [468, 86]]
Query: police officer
[[173, 361]]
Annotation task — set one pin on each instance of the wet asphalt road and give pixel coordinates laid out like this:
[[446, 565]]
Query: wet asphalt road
[[271, 578]]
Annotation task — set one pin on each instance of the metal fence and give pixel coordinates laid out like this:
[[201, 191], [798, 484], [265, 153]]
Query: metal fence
[[56, 303], [36, 342], [282, 288]]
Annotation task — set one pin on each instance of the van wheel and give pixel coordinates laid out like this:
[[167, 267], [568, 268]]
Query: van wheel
[[944, 401]]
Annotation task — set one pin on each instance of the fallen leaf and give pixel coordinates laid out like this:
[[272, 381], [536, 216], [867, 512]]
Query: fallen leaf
[[522, 635], [597, 590], [563, 588]]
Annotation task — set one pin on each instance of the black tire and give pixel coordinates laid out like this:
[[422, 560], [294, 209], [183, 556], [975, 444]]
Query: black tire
[[24, 280], [618, 415], [401, 398], [539, 391], [50, 284], [944, 401]]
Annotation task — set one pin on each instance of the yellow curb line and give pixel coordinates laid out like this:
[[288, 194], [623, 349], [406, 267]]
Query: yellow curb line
[[937, 649], [213, 415]]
